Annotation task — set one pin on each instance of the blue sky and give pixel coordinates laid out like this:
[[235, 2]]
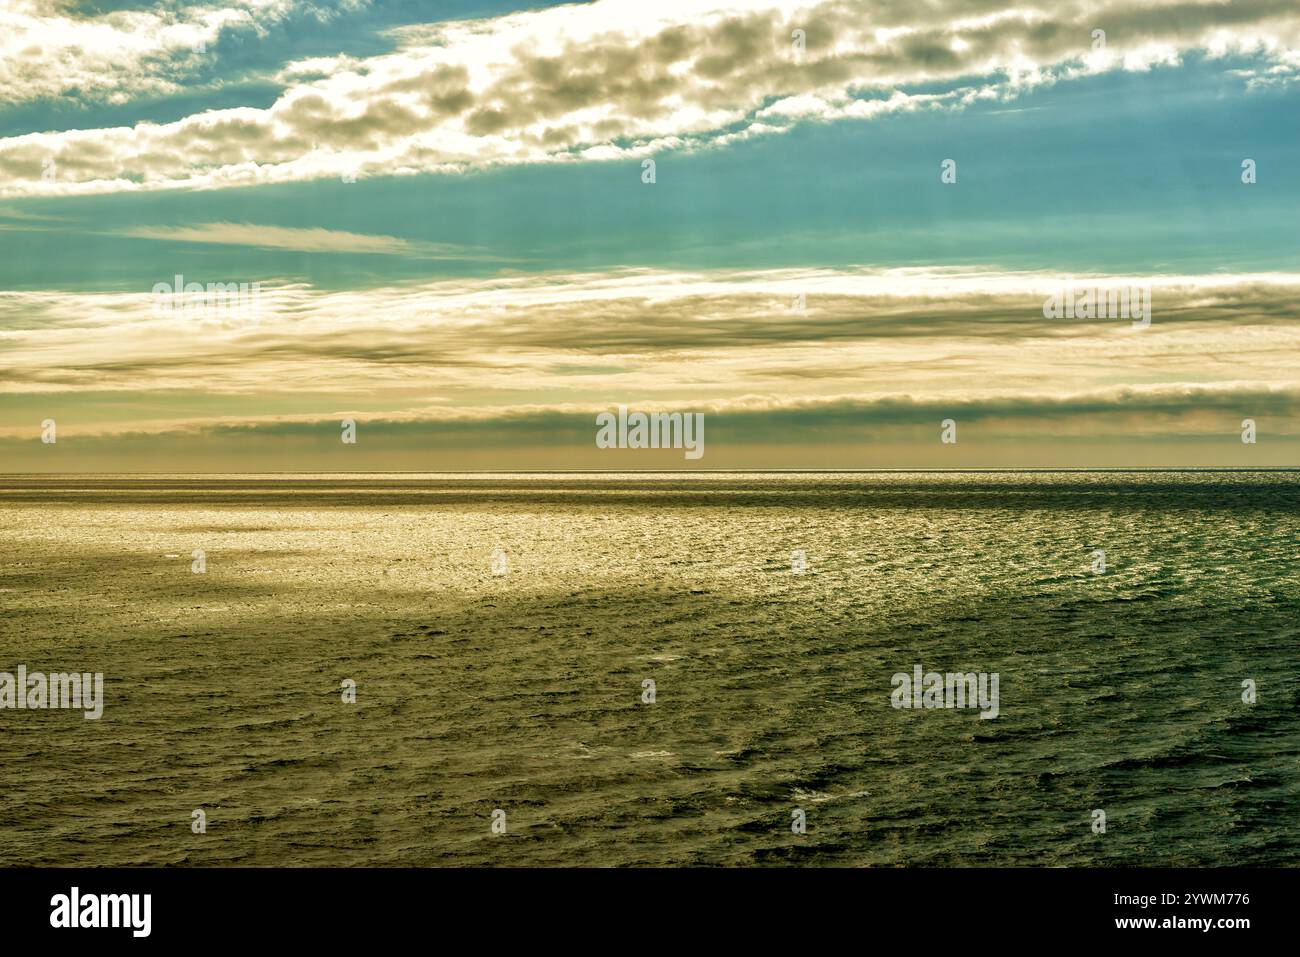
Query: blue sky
[[1111, 173], [498, 200]]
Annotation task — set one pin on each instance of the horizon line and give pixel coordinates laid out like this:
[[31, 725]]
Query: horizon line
[[720, 471]]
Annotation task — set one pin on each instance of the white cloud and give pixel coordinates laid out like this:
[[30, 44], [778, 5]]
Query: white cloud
[[623, 77], [46, 51], [475, 346], [298, 239]]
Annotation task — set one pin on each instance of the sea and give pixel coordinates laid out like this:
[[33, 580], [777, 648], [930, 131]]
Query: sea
[[654, 669]]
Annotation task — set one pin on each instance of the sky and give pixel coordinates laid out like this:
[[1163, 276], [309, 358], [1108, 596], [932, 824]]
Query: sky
[[470, 227]]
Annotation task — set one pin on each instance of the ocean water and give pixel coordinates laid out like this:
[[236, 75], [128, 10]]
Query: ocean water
[[514, 680]]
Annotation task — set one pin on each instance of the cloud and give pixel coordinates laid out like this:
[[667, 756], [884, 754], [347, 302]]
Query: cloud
[[892, 349], [1160, 427], [48, 51], [314, 240], [624, 78], [8, 212]]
